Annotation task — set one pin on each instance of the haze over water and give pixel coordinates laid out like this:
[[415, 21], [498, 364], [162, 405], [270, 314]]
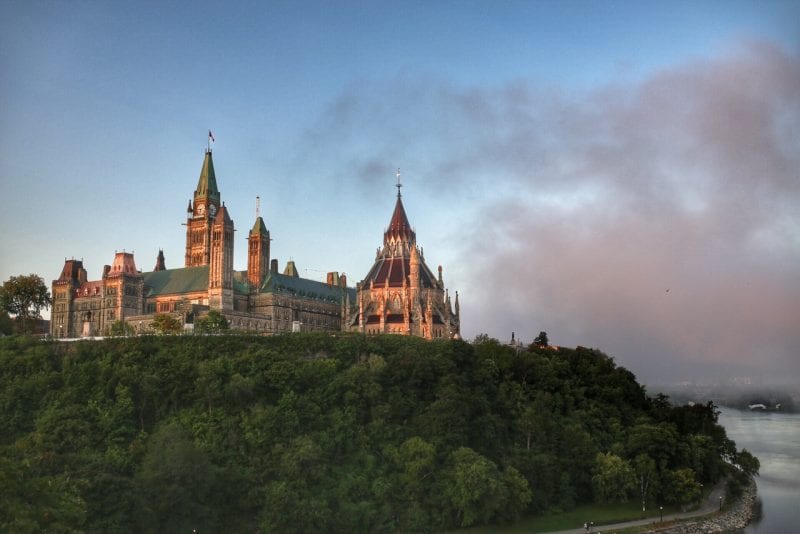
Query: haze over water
[[775, 439]]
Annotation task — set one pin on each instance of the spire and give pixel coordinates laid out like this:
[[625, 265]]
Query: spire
[[399, 227], [259, 227], [399, 185], [160, 264], [207, 184]]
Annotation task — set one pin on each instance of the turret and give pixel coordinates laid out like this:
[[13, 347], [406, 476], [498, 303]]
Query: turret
[[220, 273], [257, 250], [160, 264]]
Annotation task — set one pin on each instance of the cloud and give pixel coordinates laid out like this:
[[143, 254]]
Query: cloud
[[658, 220]]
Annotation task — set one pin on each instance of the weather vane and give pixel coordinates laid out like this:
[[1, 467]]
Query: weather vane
[[399, 185]]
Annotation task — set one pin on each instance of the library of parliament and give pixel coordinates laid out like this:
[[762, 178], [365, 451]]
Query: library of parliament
[[399, 294]]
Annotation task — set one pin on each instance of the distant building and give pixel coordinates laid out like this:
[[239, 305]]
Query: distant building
[[399, 295], [259, 299]]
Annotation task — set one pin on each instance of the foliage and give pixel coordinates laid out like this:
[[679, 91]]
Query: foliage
[[321, 433], [120, 328], [541, 340], [164, 323], [6, 324], [213, 323], [614, 479], [24, 297], [681, 487]]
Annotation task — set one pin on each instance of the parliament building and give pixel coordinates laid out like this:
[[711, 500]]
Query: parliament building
[[399, 295]]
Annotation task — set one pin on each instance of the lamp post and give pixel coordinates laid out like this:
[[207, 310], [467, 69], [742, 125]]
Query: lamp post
[[661, 508], [720, 502], [61, 330]]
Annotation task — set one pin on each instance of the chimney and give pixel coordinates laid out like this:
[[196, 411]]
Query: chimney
[[343, 280], [333, 278], [273, 265]]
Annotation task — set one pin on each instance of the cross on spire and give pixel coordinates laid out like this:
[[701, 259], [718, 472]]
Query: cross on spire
[[399, 185]]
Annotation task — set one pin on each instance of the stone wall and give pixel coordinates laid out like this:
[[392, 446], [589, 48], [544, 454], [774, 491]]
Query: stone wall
[[734, 519]]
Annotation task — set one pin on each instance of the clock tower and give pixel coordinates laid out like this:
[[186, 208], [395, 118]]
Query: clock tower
[[200, 216]]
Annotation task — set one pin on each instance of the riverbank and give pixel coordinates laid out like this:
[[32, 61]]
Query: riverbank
[[733, 519]]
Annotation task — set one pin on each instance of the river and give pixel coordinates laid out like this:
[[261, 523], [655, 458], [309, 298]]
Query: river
[[775, 439]]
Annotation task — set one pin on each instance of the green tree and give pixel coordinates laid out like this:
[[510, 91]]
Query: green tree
[[120, 328], [541, 340], [748, 463], [613, 480], [646, 475], [6, 324], [176, 483], [681, 487], [213, 323], [24, 297], [477, 491], [164, 323]]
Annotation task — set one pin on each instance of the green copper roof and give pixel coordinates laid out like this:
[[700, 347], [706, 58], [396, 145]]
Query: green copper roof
[[240, 283], [259, 227], [176, 281], [304, 288], [207, 184]]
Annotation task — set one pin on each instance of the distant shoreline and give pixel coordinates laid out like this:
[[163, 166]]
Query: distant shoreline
[[766, 399]]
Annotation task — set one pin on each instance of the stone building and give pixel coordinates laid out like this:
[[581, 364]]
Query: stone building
[[399, 295], [259, 299]]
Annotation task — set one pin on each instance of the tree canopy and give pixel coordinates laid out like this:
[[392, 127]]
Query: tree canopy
[[323, 433], [24, 296]]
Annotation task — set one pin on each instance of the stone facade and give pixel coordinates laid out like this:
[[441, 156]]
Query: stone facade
[[399, 295]]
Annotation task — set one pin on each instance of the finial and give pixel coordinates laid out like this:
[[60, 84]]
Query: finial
[[258, 206], [399, 185]]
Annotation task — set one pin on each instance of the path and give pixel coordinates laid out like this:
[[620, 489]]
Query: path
[[710, 506]]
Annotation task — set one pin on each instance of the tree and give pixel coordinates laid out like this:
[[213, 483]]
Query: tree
[[6, 324], [748, 463], [646, 473], [25, 297], [176, 483], [541, 340], [163, 323], [681, 487], [213, 323], [120, 328], [613, 480]]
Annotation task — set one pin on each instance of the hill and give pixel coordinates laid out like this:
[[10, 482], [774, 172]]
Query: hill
[[301, 433]]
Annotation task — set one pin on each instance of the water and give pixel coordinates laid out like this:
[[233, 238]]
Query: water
[[775, 439]]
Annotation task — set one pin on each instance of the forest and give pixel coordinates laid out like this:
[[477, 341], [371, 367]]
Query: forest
[[333, 433]]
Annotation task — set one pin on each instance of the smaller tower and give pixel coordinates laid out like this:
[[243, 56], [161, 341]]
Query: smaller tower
[[220, 273], [160, 265], [257, 250]]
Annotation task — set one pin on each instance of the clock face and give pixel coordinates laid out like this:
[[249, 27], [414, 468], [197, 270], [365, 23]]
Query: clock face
[[212, 209]]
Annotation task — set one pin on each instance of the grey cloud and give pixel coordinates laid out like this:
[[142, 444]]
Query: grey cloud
[[688, 181]]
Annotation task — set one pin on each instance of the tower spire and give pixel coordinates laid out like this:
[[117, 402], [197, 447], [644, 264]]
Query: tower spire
[[258, 206]]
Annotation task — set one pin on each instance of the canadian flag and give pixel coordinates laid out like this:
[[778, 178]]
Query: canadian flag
[[211, 136]]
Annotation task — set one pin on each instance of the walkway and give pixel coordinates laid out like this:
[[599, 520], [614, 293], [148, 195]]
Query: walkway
[[710, 506]]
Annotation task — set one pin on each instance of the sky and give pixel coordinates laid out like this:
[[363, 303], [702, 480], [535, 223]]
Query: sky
[[621, 175]]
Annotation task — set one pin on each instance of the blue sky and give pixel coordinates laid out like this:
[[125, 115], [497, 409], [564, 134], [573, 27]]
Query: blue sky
[[555, 155]]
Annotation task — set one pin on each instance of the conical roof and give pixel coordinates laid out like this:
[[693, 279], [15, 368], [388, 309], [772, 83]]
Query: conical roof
[[399, 227], [207, 183], [259, 228]]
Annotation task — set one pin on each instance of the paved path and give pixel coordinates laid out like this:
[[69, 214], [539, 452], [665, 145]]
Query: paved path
[[710, 506]]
